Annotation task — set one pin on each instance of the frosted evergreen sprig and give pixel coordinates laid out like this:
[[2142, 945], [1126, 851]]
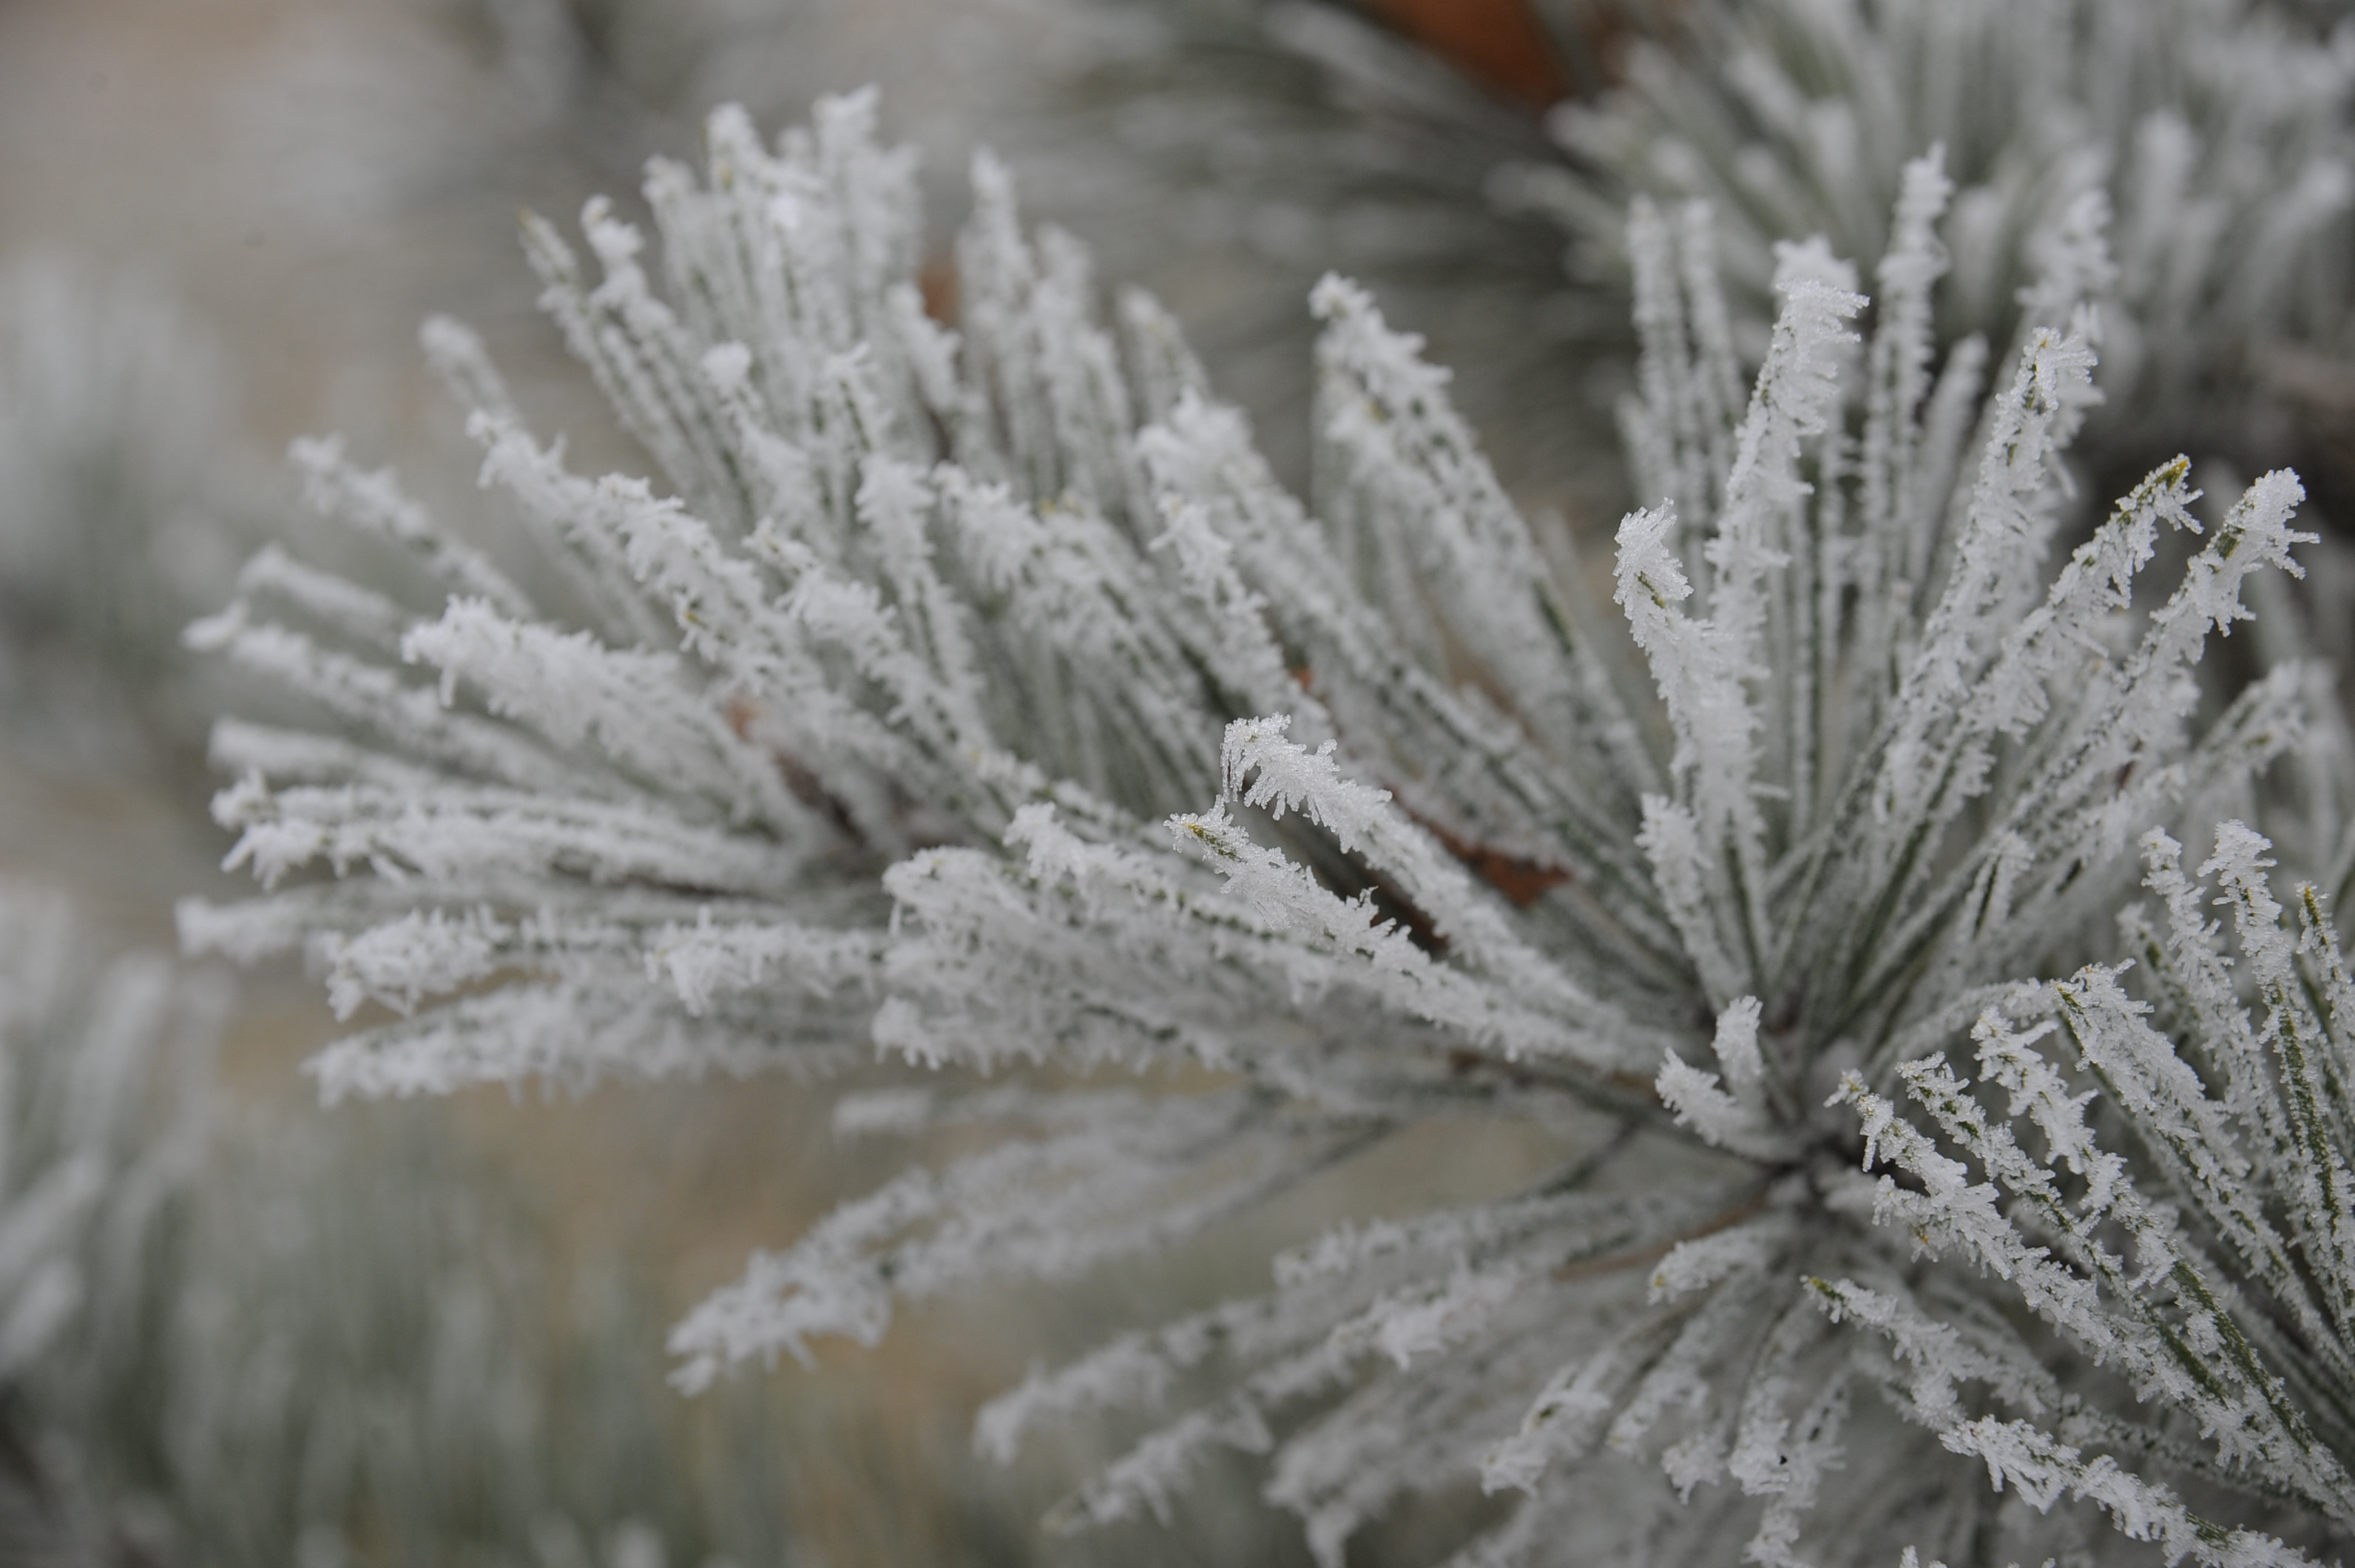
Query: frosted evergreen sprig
[[975, 695], [2222, 1297], [2218, 132], [106, 1109], [232, 1335]]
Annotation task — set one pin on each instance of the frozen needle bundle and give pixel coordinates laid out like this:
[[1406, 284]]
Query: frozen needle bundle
[[975, 696], [2219, 135]]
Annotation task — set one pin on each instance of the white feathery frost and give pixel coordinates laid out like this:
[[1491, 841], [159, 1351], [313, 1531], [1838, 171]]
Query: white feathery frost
[[2217, 135], [972, 694]]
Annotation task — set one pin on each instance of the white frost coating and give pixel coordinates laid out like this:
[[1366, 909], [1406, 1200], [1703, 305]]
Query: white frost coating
[[978, 699], [1698, 1264], [413, 958], [708, 960], [374, 504], [1733, 1115], [1736, 1044]]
